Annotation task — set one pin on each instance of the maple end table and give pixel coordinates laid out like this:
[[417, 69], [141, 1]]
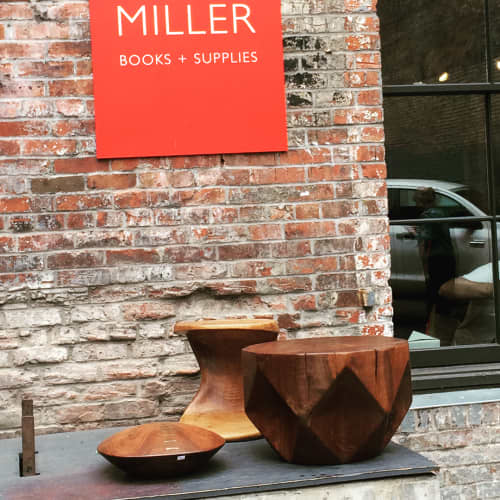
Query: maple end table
[[218, 405]]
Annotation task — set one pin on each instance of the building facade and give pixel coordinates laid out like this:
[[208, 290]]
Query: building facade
[[100, 258]]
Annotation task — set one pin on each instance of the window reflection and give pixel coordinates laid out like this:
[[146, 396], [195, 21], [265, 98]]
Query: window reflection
[[494, 14], [422, 40], [441, 275], [437, 139], [495, 139]]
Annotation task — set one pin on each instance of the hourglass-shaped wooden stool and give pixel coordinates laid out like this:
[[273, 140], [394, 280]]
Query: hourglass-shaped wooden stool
[[218, 405]]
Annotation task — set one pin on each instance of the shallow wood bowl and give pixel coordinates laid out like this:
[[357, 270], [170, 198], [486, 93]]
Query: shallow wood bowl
[[160, 450]]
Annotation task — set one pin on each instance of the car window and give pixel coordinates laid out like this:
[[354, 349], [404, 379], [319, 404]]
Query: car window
[[451, 207], [393, 195], [402, 205]]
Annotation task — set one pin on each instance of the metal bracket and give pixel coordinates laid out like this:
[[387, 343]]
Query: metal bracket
[[27, 465]]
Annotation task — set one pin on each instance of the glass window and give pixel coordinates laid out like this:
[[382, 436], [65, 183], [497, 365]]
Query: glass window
[[441, 278], [495, 38], [442, 127], [440, 138], [495, 134], [432, 41]]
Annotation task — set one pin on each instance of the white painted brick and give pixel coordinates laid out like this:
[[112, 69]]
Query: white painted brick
[[32, 317]]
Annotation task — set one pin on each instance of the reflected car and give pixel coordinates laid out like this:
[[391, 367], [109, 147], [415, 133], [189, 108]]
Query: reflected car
[[470, 239]]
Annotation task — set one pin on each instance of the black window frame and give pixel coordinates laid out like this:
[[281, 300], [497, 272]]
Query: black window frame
[[460, 367]]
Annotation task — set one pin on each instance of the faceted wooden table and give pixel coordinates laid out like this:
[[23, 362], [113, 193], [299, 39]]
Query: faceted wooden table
[[218, 404], [327, 400]]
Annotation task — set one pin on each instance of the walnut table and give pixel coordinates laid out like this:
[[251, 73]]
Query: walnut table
[[218, 404], [327, 400]]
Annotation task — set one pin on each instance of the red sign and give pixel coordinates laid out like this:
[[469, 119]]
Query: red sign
[[187, 77]]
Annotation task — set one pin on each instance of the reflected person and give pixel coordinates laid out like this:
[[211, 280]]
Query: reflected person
[[437, 255], [478, 325]]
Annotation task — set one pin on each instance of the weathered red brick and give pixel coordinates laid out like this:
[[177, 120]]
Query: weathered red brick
[[110, 219], [103, 238], [81, 220], [361, 5], [340, 208], [139, 218], [57, 147], [10, 11], [368, 61], [134, 199], [80, 165], [291, 249], [83, 68], [305, 156], [7, 244], [312, 265], [223, 177], [73, 127], [374, 171], [71, 107], [23, 128], [135, 255], [176, 255], [265, 232], [70, 183], [253, 159], [62, 260], [205, 196], [361, 23], [9, 148], [362, 79], [18, 89], [35, 30], [111, 181], [45, 242], [13, 205], [370, 97], [19, 50], [69, 49], [148, 311], [307, 211], [372, 134], [309, 229], [288, 285], [82, 202], [128, 164], [71, 88], [328, 136], [269, 175], [362, 42], [49, 222], [370, 153], [304, 303], [196, 161], [13, 184], [20, 263], [331, 173]]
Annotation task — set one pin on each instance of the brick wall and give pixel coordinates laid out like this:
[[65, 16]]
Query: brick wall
[[464, 440], [98, 259]]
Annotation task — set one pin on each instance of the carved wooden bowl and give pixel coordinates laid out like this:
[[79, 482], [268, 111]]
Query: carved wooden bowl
[[160, 449], [327, 400]]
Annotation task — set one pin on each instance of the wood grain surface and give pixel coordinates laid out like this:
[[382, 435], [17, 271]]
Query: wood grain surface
[[327, 400], [215, 325], [160, 449], [218, 405]]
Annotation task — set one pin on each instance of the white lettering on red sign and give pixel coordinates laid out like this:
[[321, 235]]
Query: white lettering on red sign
[[218, 20]]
